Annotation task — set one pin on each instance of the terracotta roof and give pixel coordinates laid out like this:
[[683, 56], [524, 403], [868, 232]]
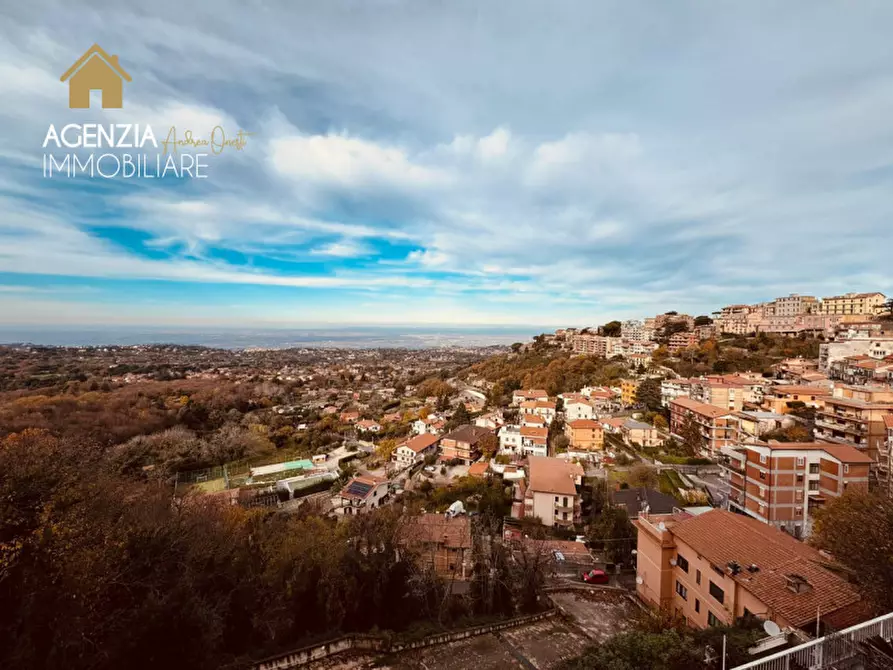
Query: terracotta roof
[[532, 393], [699, 407], [478, 469], [533, 418], [468, 433], [551, 475], [888, 421], [533, 431], [584, 423], [614, 421], [800, 390], [421, 442], [538, 404], [721, 537], [364, 479]]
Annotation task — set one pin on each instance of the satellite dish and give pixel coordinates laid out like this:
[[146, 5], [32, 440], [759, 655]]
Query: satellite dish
[[662, 526], [771, 628], [639, 580]]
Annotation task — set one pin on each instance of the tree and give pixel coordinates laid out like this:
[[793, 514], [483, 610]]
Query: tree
[[665, 650], [703, 320], [612, 329], [489, 445], [460, 418], [660, 422], [857, 528], [560, 443], [643, 476], [692, 439], [888, 310], [648, 393]]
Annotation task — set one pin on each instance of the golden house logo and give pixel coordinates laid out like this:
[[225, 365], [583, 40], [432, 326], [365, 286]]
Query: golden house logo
[[96, 70]]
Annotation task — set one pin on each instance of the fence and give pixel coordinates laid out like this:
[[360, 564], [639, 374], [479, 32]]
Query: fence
[[828, 651], [380, 644]]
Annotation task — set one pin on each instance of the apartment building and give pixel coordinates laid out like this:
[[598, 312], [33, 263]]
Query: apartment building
[[719, 393], [596, 345], [718, 427], [441, 543], [462, 443], [753, 425], [782, 398], [810, 324], [885, 458], [850, 304], [719, 566], [680, 341], [793, 305], [863, 370], [670, 389], [628, 388], [534, 420], [877, 347], [551, 494], [732, 320], [585, 435], [635, 331], [854, 416], [523, 441], [783, 483], [415, 449]]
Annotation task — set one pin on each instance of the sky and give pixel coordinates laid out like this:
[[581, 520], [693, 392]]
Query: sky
[[462, 162]]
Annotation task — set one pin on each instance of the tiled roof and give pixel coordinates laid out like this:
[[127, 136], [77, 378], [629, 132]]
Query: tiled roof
[[478, 469], [551, 475], [888, 421], [699, 407], [421, 442], [467, 433], [842, 452], [533, 431], [721, 537], [800, 390], [584, 423], [538, 404], [437, 529]]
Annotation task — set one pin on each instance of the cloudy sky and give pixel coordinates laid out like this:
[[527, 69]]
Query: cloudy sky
[[459, 162]]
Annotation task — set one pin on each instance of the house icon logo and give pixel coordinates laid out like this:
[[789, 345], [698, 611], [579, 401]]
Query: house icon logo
[[96, 70]]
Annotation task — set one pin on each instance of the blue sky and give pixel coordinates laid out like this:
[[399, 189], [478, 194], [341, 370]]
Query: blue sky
[[455, 162]]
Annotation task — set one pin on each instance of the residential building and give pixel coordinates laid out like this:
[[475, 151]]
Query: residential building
[[641, 433], [885, 457], [492, 420], [794, 305], [349, 417], [531, 394], [430, 424], [415, 449], [360, 495], [543, 408], [782, 398], [634, 331], [862, 369], [585, 435], [719, 566], [551, 494], [807, 324], [877, 347], [577, 406], [783, 483], [534, 420], [732, 319], [368, 425], [596, 345], [534, 441], [628, 388], [679, 341], [479, 469], [718, 427], [753, 425], [858, 304], [510, 439], [854, 416], [719, 393], [462, 443], [441, 543], [706, 331], [670, 389]]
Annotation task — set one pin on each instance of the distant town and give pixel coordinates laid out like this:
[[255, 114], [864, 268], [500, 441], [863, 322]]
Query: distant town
[[715, 470]]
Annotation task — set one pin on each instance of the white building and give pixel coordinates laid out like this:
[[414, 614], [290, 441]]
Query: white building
[[415, 449]]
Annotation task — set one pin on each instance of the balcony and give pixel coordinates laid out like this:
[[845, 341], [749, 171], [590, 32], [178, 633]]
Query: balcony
[[843, 427]]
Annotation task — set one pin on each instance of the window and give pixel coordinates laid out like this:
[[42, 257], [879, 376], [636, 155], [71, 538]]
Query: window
[[698, 576], [800, 461], [763, 458], [717, 592], [556, 498], [712, 620], [682, 591], [813, 468], [565, 501], [682, 562], [762, 475], [799, 496], [697, 605], [799, 478], [846, 468], [762, 492], [813, 486], [564, 516]]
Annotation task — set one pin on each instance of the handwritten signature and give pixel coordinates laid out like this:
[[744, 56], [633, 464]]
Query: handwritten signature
[[217, 141]]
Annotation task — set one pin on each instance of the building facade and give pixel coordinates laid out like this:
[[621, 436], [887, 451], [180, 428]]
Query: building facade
[[717, 427], [854, 416], [585, 435], [551, 494], [854, 304]]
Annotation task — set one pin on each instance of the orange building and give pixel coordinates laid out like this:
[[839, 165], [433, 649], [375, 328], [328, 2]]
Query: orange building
[[854, 415], [585, 435], [778, 398], [783, 483], [719, 566]]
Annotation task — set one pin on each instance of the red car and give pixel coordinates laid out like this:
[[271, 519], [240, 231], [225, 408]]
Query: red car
[[595, 577]]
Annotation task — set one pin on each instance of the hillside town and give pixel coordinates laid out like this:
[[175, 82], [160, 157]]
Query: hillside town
[[693, 465]]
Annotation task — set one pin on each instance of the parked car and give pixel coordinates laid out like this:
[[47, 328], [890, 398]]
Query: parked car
[[596, 577]]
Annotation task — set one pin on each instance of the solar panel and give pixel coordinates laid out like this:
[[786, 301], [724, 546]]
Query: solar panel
[[359, 489]]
